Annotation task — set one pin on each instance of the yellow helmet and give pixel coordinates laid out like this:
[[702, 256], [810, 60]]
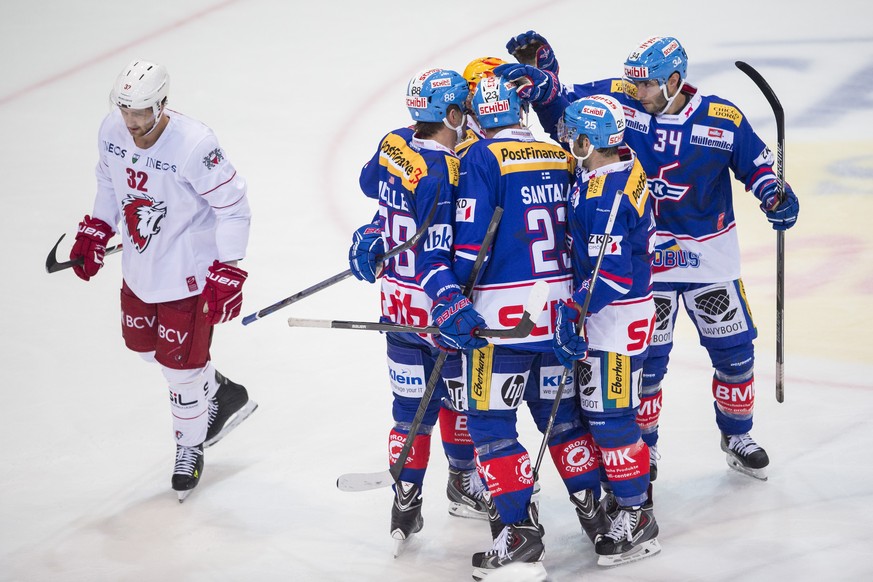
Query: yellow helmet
[[479, 68]]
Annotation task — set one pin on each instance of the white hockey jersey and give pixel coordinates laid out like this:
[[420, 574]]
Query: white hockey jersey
[[180, 204]]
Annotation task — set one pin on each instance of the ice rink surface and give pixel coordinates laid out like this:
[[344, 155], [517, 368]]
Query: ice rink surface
[[299, 96]]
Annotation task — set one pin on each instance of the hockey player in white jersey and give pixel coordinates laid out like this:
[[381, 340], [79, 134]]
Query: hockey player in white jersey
[[184, 219]]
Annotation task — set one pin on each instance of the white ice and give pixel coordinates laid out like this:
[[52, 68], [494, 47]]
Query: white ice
[[299, 95]]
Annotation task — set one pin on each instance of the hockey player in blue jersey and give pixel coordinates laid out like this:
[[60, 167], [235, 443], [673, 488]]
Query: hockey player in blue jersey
[[621, 315], [688, 144], [411, 167], [473, 72], [530, 181]]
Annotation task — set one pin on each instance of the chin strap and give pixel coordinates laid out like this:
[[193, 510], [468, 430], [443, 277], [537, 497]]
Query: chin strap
[[461, 129], [158, 112], [669, 99], [587, 155]]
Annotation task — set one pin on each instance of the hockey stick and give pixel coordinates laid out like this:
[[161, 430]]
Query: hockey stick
[[348, 272], [780, 234], [583, 313], [537, 298], [367, 481], [52, 265]]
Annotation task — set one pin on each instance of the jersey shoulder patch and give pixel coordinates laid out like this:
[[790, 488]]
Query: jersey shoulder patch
[[402, 161], [595, 186], [725, 111], [453, 165], [636, 188]]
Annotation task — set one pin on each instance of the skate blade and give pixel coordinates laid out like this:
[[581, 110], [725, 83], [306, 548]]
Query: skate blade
[[400, 542], [644, 550], [183, 494], [516, 572], [464, 510], [232, 422], [760, 474], [398, 547]]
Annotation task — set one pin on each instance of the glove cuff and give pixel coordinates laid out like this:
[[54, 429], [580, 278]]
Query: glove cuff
[[219, 269], [95, 229]]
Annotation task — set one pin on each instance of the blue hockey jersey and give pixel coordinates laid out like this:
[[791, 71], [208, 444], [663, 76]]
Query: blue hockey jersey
[[405, 175], [531, 181], [622, 308], [688, 158]]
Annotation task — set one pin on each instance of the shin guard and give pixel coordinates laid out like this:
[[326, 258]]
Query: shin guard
[[419, 455], [649, 413], [577, 461], [189, 405], [628, 471], [734, 404], [457, 443], [509, 478]]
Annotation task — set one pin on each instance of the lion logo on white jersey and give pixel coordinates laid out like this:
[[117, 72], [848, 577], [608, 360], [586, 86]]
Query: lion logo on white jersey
[[142, 216]]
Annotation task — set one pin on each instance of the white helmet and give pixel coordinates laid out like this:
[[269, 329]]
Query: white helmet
[[141, 85]]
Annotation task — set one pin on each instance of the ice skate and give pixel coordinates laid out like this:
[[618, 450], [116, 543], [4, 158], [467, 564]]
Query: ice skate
[[591, 515], [186, 473], [519, 545], [653, 462], [465, 492], [745, 455], [633, 536], [609, 503], [406, 518], [227, 409], [494, 520]]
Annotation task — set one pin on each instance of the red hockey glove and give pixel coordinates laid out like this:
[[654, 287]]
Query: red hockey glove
[[223, 292], [90, 246]]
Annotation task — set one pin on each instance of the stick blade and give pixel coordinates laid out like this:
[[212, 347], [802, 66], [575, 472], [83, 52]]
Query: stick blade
[[536, 301], [364, 481], [51, 261], [303, 322]]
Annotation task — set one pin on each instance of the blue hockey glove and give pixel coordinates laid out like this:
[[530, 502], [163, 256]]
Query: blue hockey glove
[[781, 216], [367, 247], [534, 85], [529, 48], [568, 345], [458, 321]]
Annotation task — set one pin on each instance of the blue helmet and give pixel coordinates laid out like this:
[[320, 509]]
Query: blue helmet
[[431, 92], [656, 58], [600, 117], [496, 103]]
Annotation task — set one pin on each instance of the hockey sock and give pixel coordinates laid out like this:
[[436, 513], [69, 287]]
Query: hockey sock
[[419, 455], [649, 413], [576, 460], [210, 385], [628, 471], [457, 442], [508, 475], [734, 403], [188, 403]]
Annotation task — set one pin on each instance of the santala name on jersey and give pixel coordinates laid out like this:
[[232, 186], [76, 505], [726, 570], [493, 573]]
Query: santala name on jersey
[[531, 181]]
